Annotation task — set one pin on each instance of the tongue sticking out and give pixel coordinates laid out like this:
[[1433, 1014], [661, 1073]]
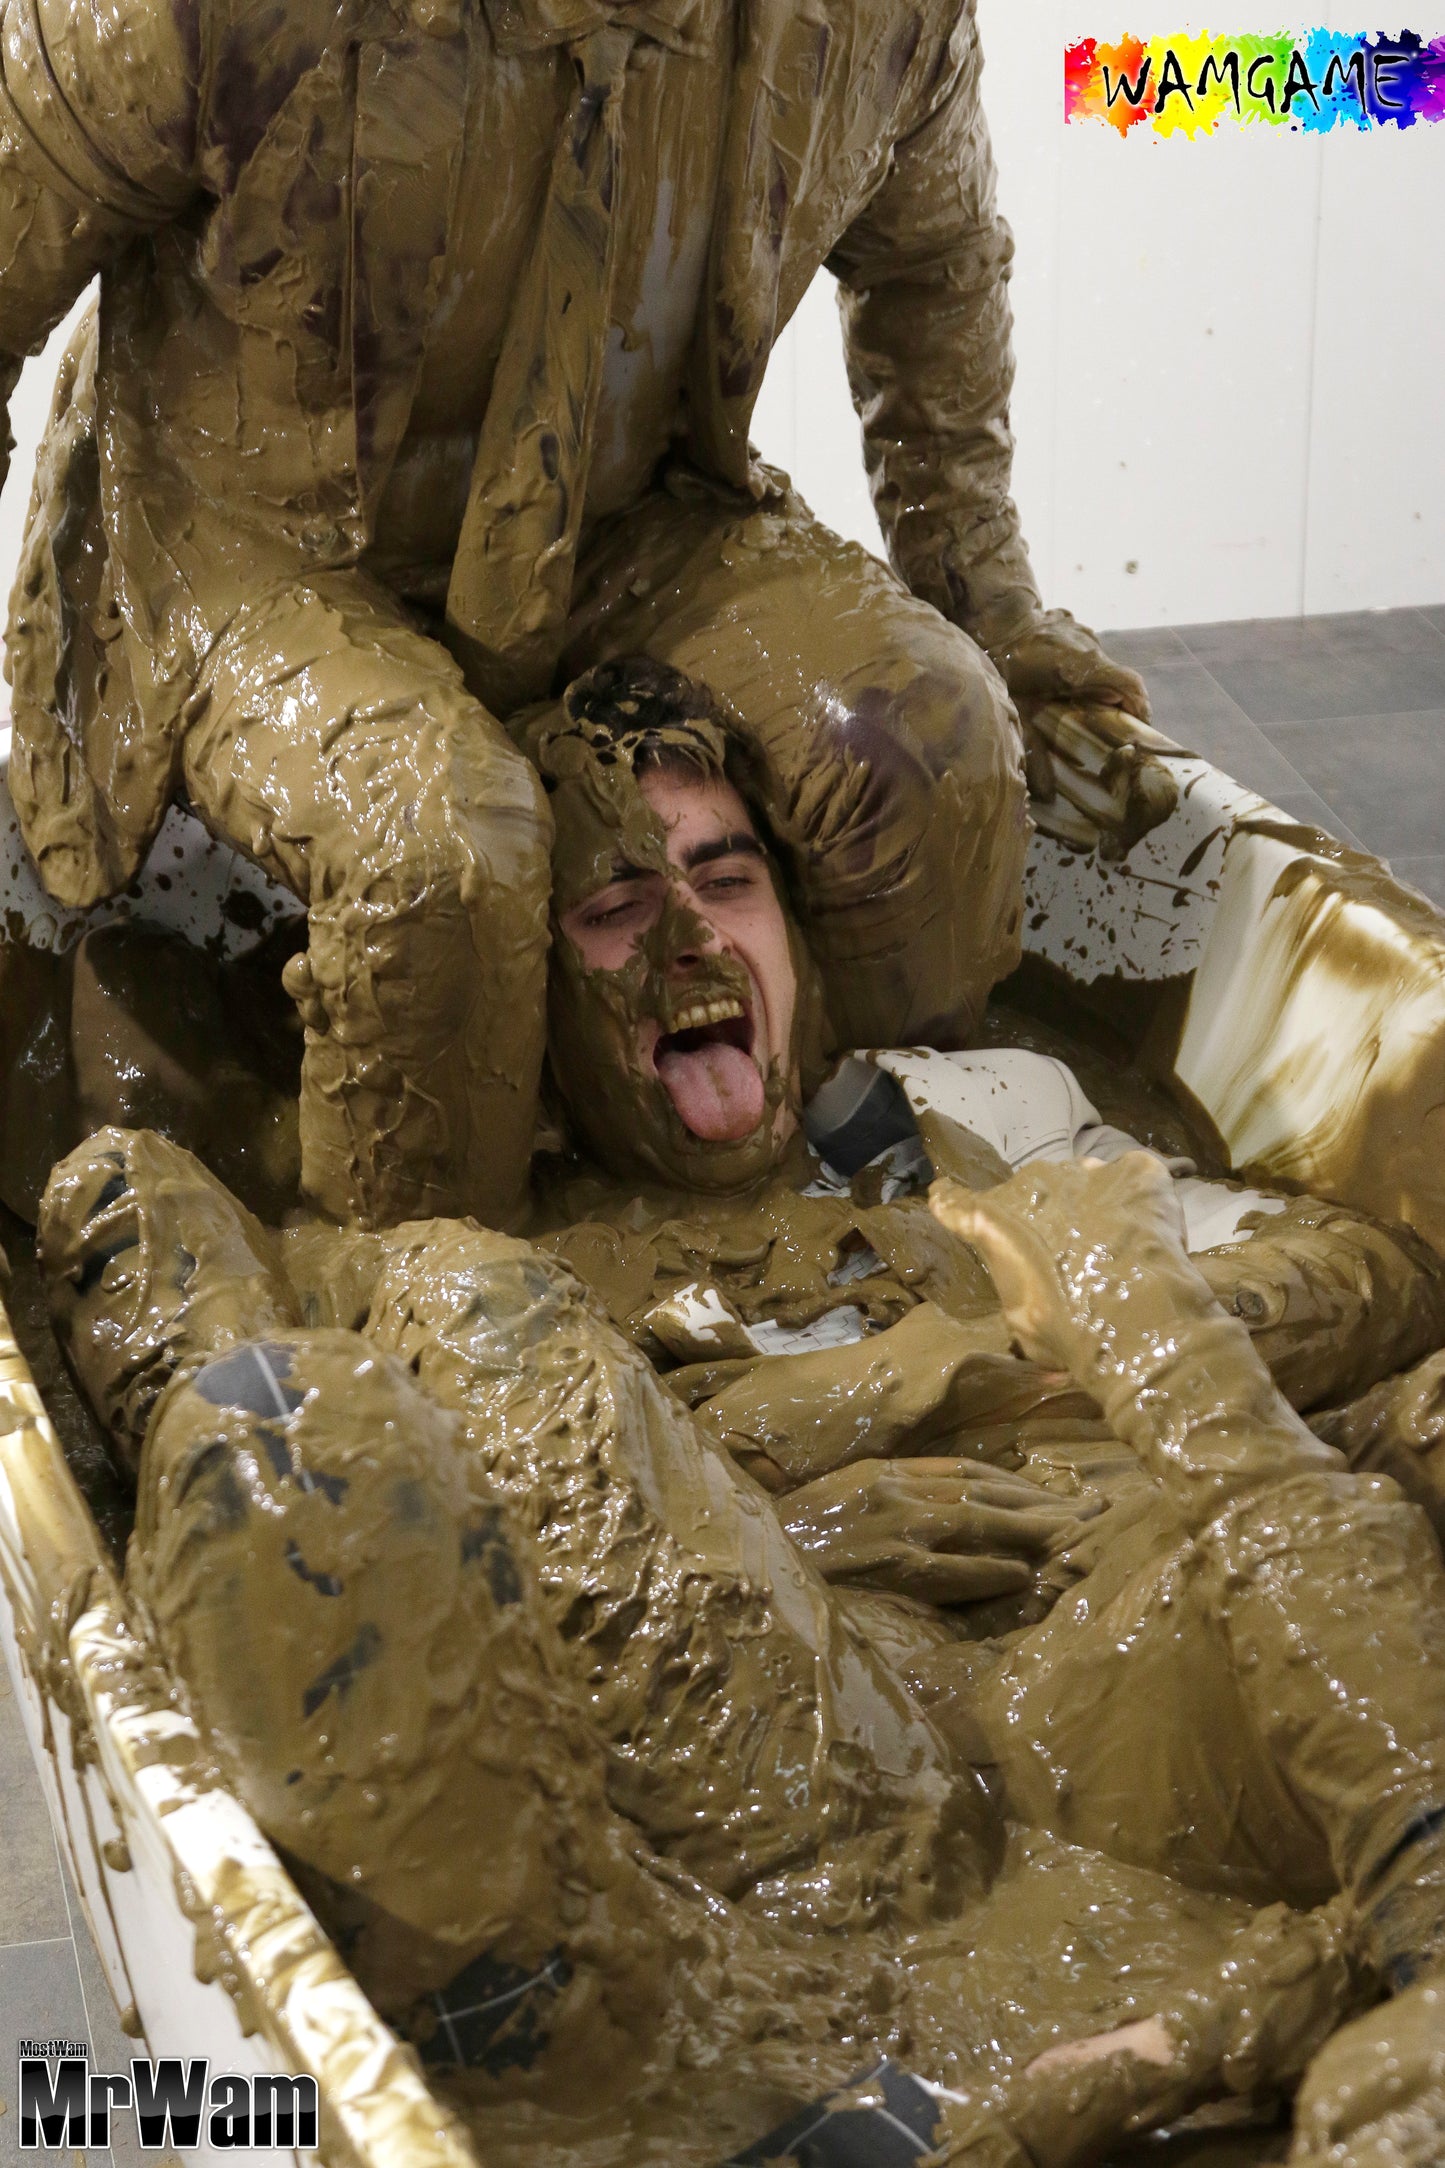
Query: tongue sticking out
[[715, 1088]]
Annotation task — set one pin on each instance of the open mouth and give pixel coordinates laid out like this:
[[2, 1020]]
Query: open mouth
[[706, 1064], [720, 1022]]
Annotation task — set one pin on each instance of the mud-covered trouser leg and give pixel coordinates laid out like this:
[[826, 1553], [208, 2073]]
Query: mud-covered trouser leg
[[324, 1569], [888, 749], [1308, 1601], [1255, 1708], [151, 1266], [698, 1636], [361, 1641], [355, 1614], [1334, 1597], [1330, 1593], [337, 746], [703, 1642]]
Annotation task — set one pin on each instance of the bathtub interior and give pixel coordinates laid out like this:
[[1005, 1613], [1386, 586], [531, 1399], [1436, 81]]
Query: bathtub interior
[[1286, 992]]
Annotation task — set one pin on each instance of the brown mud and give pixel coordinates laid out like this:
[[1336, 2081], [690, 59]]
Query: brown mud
[[509, 1585], [768, 1814], [635, 1595], [1321, 1596], [135, 1025], [1334, 1301], [1397, 1429]]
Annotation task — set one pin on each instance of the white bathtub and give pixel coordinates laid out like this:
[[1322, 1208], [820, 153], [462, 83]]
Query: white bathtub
[[1301, 1006]]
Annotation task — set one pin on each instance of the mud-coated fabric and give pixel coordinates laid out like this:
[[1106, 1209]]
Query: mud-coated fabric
[[294, 174], [301, 1488], [513, 564], [151, 1266], [356, 1626], [699, 1638], [1257, 1710], [923, 291], [887, 750], [1296, 1612], [339, 748]]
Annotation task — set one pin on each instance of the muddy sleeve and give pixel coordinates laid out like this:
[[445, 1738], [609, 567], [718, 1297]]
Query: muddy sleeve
[[923, 276], [99, 114], [1332, 1300]]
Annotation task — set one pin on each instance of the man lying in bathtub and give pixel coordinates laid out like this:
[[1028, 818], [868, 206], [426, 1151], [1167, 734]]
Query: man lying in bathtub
[[594, 1780]]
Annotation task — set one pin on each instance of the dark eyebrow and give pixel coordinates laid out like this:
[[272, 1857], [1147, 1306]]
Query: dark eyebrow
[[738, 845]]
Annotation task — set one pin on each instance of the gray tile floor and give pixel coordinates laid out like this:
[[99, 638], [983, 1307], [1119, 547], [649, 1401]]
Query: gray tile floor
[[51, 1982], [1338, 720]]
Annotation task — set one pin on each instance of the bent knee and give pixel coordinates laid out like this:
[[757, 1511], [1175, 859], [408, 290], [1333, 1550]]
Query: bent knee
[[463, 858], [300, 1472], [898, 759], [460, 1302], [148, 1261]]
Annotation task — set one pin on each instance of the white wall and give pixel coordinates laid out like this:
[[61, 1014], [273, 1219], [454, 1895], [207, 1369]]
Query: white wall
[[1231, 354], [1231, 351], [29, 406]]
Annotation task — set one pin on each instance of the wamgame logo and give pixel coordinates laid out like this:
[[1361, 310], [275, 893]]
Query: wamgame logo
[[1309, 83], [175, 2103]]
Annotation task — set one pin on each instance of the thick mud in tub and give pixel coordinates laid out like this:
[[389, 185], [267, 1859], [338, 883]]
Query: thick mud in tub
[[1284, 992]]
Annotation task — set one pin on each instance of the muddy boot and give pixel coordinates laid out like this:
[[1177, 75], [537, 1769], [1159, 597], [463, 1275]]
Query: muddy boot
[[151, 1266]]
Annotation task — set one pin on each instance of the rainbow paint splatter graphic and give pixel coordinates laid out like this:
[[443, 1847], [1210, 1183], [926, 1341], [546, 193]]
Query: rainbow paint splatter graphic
[[1310, 81]]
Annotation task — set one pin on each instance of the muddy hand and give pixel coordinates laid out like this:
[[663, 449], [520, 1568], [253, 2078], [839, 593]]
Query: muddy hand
[[1061, 1242], [1095, 773], [1244, 2025], [1053, 658], [1096, 776], [928, 1528]]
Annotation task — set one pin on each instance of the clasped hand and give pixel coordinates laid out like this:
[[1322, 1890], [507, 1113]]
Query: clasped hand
[[942, 1530], [1098, 775]]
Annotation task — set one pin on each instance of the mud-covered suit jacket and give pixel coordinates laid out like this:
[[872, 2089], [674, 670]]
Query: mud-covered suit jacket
[[265, 187]]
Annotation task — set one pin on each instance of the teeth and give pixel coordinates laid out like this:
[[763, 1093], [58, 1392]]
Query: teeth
[[707, 1012]]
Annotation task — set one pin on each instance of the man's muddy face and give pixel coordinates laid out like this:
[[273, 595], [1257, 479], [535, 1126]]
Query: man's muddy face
[[713, 929]]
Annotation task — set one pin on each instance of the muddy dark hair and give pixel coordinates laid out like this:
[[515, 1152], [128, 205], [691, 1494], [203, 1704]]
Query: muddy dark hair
[[637, 709], [653, 715]]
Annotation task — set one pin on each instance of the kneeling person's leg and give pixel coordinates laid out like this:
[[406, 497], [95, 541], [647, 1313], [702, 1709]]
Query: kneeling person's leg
[[338, 747], [889, 750]]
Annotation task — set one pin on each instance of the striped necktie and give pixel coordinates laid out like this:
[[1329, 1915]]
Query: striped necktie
[[511, 579]]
